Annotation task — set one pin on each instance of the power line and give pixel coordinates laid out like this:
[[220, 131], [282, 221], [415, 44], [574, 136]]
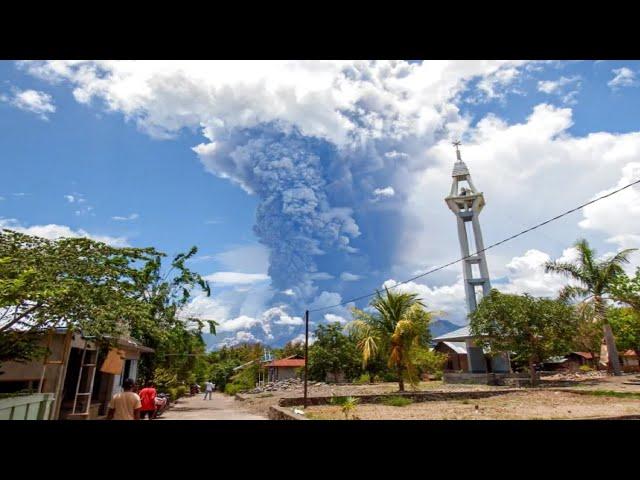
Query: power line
[[522, 232]]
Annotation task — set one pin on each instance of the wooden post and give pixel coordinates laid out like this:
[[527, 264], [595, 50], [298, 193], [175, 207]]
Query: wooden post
[[306, 353]]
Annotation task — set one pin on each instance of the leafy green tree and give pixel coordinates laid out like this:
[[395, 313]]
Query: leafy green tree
[[532, 328], [399, 325], [102, 290], [625, 323], [595, 281], [223, 361], [333, 352], [73, 282], [175, 337], [428, 361], [588, 337], [627, 290], [290, 349]]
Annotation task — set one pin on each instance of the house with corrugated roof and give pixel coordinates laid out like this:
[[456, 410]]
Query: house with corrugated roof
[[284, 368]]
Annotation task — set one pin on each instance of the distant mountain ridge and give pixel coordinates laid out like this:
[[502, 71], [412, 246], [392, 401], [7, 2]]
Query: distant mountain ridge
[[440, 327]]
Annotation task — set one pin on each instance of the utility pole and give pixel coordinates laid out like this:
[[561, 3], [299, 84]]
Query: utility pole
[[306, 353]]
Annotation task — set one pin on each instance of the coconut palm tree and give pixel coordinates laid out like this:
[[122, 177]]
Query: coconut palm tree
[[594, 279], [399, 325]]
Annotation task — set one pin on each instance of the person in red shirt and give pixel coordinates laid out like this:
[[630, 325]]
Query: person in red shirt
[[148, 399]]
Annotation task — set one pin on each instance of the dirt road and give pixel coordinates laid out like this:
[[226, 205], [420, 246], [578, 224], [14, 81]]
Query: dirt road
[[220, 407]]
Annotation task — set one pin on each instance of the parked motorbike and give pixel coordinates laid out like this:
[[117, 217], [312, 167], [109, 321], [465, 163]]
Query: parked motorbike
[[162, 403]]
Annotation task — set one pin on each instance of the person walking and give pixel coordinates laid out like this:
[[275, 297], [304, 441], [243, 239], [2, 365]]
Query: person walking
[[125, 405], [208, 389], [148, 399]]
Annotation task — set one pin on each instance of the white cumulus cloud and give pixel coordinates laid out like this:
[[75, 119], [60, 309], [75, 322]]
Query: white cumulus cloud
[[236, 278], [127, 218], [623, 77], [53, 231], [33, 101]]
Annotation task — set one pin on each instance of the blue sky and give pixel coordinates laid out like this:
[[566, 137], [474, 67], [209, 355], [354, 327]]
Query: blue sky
[[306, 183]]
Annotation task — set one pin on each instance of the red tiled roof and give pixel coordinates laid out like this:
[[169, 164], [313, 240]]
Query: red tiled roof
[[287, 362], [630, 353]]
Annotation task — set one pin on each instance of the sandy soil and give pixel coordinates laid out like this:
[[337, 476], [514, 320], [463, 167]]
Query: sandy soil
[[526, 405], [259, 403], [219, 407]]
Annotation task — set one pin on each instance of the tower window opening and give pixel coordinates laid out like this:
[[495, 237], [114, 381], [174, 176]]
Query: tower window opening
[[470, 238], [477, 290], [475, 270]]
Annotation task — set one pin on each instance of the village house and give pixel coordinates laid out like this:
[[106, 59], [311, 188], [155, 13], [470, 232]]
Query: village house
[[456, 355], [630, 361], [285, 368], [460, 345], [80, 374]]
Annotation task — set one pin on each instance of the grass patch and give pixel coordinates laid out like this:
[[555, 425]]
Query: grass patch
[[610, 393], [397, 401]]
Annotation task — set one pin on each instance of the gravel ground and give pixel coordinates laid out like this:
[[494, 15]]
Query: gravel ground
[[532, 405], [259, 403]]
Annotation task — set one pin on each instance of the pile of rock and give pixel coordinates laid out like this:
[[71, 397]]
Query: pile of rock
[[578, 375], [283, 385], [280, 385]]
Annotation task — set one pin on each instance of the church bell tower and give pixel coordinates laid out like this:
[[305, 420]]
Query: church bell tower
[[466, 202]]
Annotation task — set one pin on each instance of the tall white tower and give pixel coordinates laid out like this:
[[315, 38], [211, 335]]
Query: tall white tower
[[467, 203]]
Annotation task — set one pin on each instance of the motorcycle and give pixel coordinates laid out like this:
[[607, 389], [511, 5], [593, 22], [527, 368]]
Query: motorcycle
[[162, 403]]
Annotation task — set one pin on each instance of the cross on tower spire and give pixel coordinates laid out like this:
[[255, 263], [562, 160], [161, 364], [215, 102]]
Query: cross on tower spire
[[457, 144]]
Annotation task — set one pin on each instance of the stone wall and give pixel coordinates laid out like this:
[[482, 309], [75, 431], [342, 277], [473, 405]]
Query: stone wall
[[280, 413], [511, 379], [415, 396]]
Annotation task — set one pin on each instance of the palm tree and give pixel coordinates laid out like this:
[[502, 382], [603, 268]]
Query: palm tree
[[594, 280], [399, 325]]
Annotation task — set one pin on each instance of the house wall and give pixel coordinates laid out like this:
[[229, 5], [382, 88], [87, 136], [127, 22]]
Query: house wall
[[17, 371], [286, 372], [455, 361]]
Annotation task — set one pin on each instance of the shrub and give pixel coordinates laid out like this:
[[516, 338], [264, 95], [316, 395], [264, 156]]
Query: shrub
[[349, 405], [337, 400], [173, 393], [585, 368], [362, 379], [397, 401], [233, 388], [389, 377], [181, 391]]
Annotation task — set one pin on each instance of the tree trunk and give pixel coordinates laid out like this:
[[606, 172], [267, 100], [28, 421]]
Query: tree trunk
[[612, 351], [400, 369], [400, 380], [532, 373]]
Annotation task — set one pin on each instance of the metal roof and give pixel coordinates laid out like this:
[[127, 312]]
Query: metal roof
[[458, 347], [458, 335], [287, 362]]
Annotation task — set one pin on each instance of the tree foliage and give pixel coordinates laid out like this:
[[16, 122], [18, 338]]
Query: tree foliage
[[533, 329], [399, 325], [333, 352], [290, 349], [625, 323], [626, 290], [103, 291], [595, 282]]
